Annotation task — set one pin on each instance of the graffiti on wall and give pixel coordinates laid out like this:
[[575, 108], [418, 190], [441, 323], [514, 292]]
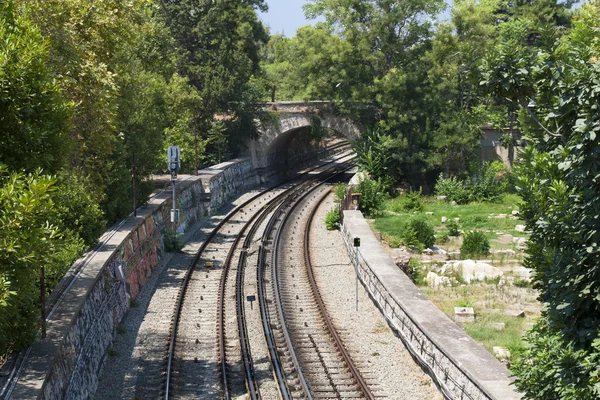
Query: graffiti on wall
[[119, 291]]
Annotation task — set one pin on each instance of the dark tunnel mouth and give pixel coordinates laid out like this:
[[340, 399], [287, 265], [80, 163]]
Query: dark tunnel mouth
[[278, 151]]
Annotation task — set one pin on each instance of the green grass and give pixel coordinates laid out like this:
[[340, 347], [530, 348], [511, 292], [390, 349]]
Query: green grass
[[509, 337], [481, 330], [472, 216]]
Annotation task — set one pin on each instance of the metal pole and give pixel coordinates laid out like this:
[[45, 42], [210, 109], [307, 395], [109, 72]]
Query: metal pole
[[43, 300], [174, 179], [134, 188], [356, 270]]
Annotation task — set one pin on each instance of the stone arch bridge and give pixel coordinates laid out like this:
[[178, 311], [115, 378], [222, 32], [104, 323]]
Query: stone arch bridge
[[289, 120]]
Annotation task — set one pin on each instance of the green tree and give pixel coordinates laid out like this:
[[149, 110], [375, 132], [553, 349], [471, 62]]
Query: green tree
[[558, 183], [29, 239], [33, 114]]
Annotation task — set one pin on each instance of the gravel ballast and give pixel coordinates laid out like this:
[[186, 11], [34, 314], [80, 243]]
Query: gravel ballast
[[365, 332]]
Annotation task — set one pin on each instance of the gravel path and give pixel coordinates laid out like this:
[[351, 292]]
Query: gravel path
[[366, 333]]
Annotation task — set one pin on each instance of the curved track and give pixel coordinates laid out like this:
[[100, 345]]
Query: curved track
[[316, 363], [201, 363]]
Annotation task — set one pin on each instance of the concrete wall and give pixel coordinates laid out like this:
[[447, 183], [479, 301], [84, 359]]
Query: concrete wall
[[460, 366], [66, 363]]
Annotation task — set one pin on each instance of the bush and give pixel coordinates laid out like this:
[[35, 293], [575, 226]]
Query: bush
[[410, 239], [172, 241], [475, 243], [488, 183], [373, 194], [453, 188], [415, 271], [340, 191], [423, 232], [412, 201], [332, 219], [453, 228]]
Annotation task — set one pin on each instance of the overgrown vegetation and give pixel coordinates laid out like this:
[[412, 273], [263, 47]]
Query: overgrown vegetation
[[475, 244], [373, 195], [332, 219], [91, 91]]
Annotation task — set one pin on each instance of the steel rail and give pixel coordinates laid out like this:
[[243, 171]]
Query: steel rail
[[188, 274], [317, 295], [279, 305]]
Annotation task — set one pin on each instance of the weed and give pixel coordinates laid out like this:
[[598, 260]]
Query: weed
[[340, 191], [112, 352], [133, 303], [375, 353], [453, 228], [522, 283], [172, 241], [121, 330], [332, 219], [415, 271]]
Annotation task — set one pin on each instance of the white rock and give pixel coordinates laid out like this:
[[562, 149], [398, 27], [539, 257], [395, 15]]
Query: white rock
[[429, 213], [506, 252], [522, 273], [427, 252], [520, 228], [444, 219], [453, 203], [471, 270], [434, 280], [502, 215], [442, 197], [515, 212], [501, 352], [456, 219]]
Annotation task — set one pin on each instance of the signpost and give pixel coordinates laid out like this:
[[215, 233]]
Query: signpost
[[174, 164], [356, 246]]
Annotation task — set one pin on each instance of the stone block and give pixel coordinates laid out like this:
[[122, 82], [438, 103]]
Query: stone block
[[464, 314], [501, 352]]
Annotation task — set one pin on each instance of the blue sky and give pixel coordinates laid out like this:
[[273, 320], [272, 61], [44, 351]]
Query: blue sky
[[285, 16]]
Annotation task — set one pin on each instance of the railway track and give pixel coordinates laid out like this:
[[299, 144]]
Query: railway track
[[207, 362], [313, 359]]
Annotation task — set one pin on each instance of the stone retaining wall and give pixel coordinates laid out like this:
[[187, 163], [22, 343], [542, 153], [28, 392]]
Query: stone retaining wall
[[460, 366], [66, 363]]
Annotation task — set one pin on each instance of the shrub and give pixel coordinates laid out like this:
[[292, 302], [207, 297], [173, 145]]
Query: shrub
[[332, 219], [453, 228], [415, 271], [412, 201], [475, 243], [373, 194], [409, 237], [423, 232], [340, 191], [172, 241], [441, 238], [453, 188]]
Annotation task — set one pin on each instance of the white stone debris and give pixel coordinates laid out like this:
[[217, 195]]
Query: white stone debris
[[471, 270], [505, 252], [434, 280], [522, 273], [444, 219], [520, 228], [442, 197], [515, 212], [501, 352]]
